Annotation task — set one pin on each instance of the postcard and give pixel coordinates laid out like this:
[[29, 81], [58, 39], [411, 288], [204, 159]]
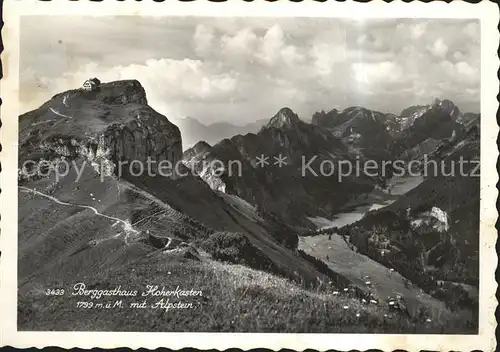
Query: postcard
[[249, 174]]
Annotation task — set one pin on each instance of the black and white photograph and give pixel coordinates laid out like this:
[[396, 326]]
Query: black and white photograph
[[252, 174]]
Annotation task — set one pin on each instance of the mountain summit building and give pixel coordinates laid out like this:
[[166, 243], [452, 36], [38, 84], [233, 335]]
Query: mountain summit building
[[91, 84]]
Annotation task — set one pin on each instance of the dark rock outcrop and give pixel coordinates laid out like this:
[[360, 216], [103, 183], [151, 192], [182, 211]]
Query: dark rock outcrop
[[438, 122], [201, 147], [369, 133], [285, 118], [327, 119], [447, 106]]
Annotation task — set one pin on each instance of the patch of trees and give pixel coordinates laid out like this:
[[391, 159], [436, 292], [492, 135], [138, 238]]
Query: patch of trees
[[337, 279]]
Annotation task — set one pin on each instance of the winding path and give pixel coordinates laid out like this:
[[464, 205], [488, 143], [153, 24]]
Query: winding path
[[39, 123], [59, 114], [126, 225]]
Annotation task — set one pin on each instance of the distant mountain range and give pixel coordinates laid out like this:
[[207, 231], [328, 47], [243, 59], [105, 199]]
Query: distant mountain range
[[344, 121], [194, 131], [353, 133]]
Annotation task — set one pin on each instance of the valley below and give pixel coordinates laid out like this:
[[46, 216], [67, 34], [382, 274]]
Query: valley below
[[381, 283], [374, 200]]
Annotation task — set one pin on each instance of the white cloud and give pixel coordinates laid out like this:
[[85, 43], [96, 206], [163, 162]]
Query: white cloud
[[362, 39], [439, 48], [272, 44], [473, 92], [461, 72], [472, 30], [292, 56], [326, 56], [376, 73], [243, 43], [418, 30], [269, 49], [457, 55], [463, 68], [203, 39]]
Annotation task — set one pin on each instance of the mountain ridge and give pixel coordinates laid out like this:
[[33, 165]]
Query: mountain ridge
[[193, 130], [108, 125]]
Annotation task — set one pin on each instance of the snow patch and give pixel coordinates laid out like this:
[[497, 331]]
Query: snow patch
[[441, 216], [354, 137], [436, 217], [207, 172]]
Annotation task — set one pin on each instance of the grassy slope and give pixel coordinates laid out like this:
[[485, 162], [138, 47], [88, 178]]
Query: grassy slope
[[56, 240], [234, 298], [220, 214]]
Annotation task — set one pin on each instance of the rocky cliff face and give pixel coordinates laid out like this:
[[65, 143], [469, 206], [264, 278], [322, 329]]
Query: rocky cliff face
[[285, 118], [109, 125], [200, 148], [447, 106], [150, 135], [326, 119]]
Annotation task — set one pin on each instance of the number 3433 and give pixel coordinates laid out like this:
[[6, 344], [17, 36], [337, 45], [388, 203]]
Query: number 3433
[[54, 292]]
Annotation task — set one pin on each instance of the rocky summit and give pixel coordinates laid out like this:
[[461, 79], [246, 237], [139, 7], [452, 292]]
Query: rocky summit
[[285, 118], [368, 133], [111, 124]]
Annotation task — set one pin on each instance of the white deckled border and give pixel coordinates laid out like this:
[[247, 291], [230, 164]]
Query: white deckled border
[[488, 14]]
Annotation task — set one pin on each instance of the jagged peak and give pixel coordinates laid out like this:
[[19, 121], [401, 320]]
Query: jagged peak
[[354, 108], [191, 120], [447, 106], [201, 145], [199, 148], [442, 102], [284, 118]]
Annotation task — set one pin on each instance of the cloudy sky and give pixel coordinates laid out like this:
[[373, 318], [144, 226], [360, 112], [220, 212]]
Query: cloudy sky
[[241, 70]]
